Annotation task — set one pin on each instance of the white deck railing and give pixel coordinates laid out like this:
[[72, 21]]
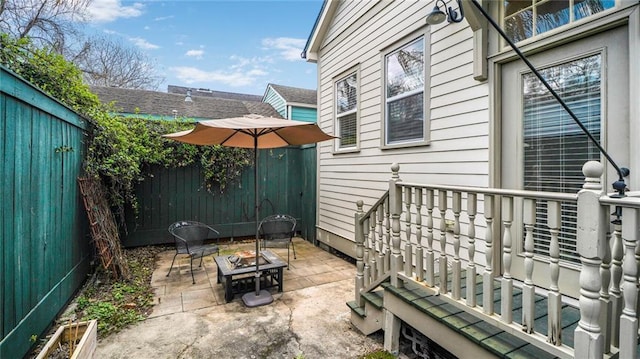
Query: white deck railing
[[413, 232]]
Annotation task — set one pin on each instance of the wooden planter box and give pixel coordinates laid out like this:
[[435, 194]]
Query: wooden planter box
[[86, 339]]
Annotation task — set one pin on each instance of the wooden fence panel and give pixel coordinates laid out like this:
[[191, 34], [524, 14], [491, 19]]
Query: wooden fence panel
[[44, 252], [171, 195]]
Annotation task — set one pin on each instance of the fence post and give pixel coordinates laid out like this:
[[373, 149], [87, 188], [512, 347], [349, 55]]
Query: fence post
[[591, 235], [359, 253], [395, 209]]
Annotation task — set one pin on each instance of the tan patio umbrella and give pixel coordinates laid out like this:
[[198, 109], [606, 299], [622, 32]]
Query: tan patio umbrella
[[257, 132]]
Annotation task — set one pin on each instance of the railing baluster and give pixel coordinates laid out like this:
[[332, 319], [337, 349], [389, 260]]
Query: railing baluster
[[408, 247], [359, 253], [430, 273], [456, 282], [442, 207], [528, 290], [628, 320], [615, 293], [419, 251], [381, 249], [387, 252], [373, 268], [554, 304], [605, 300], [506, 296], [367, 252], [487, 277], [471, 267]]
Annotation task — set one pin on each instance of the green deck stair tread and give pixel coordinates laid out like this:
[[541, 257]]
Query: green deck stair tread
[[354, 307], [503, 343], [374, 298], [529, 351], [461, 320]]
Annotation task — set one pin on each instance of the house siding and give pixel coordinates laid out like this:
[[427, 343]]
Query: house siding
[[303, 114], [275, 100], [459, 129]]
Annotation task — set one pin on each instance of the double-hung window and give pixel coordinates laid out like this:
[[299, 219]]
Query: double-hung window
[[346, 90], [405, 95]]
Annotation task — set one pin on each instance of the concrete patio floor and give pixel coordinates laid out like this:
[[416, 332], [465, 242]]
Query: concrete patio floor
[[309, 319]]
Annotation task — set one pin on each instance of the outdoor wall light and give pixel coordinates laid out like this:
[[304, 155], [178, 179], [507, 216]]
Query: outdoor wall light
[[437, 16]]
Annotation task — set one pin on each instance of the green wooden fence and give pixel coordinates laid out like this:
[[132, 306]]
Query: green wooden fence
[[286, 185], [44, 250]]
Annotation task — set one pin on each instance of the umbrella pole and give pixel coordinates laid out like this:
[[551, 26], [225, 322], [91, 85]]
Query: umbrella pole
[[260, 297]]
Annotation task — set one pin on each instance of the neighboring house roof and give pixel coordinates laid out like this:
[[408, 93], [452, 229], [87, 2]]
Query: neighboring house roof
[[295, 95], [210, 93], [133, 101]]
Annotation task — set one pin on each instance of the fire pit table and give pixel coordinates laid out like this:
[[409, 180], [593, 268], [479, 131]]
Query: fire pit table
[[236, 272]]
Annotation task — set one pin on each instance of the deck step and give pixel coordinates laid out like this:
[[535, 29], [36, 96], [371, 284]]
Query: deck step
[[356, 309], [368, 319], [375, 298]]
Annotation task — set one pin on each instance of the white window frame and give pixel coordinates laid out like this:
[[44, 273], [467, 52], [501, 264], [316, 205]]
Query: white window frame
[[338, 148], [424, 36]]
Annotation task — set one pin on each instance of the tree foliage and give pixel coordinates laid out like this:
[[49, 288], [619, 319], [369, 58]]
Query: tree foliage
[[121, 150], [108, 62]]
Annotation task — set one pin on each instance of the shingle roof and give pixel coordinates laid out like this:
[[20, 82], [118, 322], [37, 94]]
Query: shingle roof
[[156, 103], [210, 93], [296, 95]]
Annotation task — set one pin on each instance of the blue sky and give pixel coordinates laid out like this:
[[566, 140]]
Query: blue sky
[[235, 46]]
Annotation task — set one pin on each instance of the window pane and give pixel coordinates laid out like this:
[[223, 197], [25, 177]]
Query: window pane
[[405, 119], [405, 69], [584, 8], [555, 148], [513, 6], [347, 125], [519, 27], [346, 95], [552, 14]]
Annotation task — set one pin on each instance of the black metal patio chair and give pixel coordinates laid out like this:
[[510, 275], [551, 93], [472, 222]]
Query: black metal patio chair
[[277, 231], [190, 237]]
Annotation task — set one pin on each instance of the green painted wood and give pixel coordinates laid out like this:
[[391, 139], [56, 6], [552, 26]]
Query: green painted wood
[[45, 250], [286, 185]]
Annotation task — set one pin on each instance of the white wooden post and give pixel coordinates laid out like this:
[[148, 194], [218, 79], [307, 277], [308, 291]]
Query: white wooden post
[[442, 207], [373, 255], [506, 292], [359, 253], [456, 282], [528, 289], [615, 294], [554, 305], [419, 250], [591, 236], [408, 247], [395, 209], [471, 268], [381, 248], [605, 299], [430, 258], [366, 272], [629, 319], [487, 276]]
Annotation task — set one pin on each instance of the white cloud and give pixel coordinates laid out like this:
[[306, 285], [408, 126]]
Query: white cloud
[[143, 44], [195, 53], [232, 78], [111, 10], [288, 48], [162, 18]]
